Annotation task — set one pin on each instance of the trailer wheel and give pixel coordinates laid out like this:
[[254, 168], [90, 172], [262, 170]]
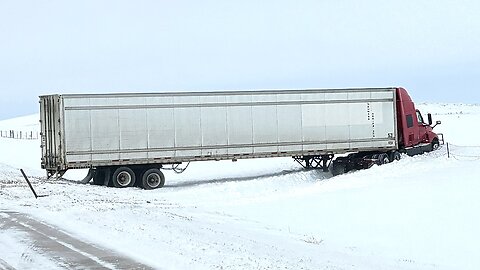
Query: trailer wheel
[[123, 177], [383, 159], [152, 179]]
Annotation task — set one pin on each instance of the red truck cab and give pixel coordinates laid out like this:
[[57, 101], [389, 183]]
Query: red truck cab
[[415, 135]]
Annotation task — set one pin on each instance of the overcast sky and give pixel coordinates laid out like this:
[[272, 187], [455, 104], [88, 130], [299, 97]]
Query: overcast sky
[[430, 47]]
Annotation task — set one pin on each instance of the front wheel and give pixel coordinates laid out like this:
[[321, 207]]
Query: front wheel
[[152, 179], [435, 145], [123, 177]]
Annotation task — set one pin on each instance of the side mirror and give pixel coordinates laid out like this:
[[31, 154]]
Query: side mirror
[[437, 123], [429, 119]]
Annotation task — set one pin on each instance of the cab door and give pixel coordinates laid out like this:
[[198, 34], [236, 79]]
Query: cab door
[[410, 130], [422, 132]]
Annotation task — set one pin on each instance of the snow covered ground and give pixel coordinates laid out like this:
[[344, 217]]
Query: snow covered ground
[[418, 213]]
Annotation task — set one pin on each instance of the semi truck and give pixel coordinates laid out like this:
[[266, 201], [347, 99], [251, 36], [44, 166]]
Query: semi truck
[[128, 139]]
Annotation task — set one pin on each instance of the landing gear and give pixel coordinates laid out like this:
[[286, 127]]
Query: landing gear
[[314, 162]]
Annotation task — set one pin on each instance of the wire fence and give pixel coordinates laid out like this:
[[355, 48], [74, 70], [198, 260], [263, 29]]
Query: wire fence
[[19, 134], [463, 152]]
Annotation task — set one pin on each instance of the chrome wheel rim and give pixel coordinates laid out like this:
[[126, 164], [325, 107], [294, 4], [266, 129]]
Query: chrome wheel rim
[[153, 180], [124, 179]]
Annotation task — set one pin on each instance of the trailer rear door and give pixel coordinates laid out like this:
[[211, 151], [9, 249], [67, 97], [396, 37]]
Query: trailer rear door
[[51, 132]]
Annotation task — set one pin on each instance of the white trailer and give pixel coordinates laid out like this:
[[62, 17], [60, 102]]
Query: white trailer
[[128, 137]]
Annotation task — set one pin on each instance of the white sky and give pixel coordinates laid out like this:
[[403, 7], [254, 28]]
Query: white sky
[[430, 47]]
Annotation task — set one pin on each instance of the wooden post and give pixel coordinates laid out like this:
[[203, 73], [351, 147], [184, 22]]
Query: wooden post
[[448, 151], [29, 184]]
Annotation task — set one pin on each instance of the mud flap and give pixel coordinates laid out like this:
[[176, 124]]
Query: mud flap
[[90, 175]]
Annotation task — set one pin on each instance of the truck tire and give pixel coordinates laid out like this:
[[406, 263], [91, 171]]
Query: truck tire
[[152, 179], [123, 177], [435, 145], [396, 156], [383, 159]]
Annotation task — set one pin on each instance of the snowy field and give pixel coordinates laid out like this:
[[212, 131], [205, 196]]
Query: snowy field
[[418, 213]]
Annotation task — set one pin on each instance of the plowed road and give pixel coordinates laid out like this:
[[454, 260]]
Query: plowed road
[[41, 245]]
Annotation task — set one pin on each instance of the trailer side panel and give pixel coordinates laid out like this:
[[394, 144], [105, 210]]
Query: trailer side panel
[[111, 129]]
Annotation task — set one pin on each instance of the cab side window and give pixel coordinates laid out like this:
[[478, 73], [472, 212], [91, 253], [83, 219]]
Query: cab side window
[[409, 121]]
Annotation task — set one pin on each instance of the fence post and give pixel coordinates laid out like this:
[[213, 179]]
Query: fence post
[[448, 151]]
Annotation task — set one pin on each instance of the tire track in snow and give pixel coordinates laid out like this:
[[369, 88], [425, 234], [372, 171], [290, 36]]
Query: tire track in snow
[[5, 266], [66, 251]]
